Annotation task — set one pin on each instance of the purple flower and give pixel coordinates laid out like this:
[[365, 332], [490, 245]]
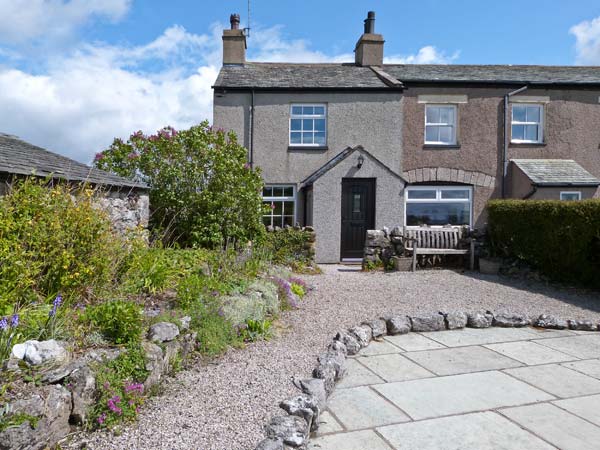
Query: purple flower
[[102, 418], [299, 282], [247, 166], [112, 404], [14, 321], [55, 304], [98, 156], [134, 387], [221, 313], [3, 324]]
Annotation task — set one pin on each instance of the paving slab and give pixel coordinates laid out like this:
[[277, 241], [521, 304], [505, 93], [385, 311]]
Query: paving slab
[[357, 440], [543, 333], [362, 407], [559, 427], [583, 346], [328, 424], [413, 342], [453, 361], [557, 380], [395, 368], [529, 352], [358, 375], [478, 431], [479, 336], [442, 396], [589, 367], [585, 407], [379, 348]]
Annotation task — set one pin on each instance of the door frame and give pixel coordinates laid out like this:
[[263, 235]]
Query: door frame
[[372, 181]]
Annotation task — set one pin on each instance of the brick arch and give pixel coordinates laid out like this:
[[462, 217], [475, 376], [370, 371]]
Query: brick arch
[[450, 175]]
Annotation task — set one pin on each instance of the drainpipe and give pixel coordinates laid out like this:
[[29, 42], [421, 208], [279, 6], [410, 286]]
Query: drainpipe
[[251, 156], [531, 193], [506, 137]]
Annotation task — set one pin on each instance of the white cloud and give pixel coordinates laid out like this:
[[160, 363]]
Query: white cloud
[[23, 20], [426, 55], [587, 35], [85, 98]]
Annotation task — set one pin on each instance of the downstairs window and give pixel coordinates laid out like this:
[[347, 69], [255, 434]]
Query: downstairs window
[[281, 201], [438, 205]]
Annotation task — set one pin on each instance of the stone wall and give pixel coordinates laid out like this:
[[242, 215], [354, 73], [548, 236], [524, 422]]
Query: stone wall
[[382, 245], [127, 210]]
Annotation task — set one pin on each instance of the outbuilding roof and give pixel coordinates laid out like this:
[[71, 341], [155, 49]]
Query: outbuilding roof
[[350, 76], [556, 172], [18, 157]]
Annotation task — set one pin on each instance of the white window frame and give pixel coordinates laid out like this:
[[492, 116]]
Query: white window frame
[[438, 199], [307, 116], [293, 198], [439, 124], [578, 193], [540, 124]]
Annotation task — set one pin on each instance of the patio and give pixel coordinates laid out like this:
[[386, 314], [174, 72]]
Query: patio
[[494, 388]]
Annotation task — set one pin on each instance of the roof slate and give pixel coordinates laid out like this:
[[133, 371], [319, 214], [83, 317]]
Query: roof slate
[[22, 158], [351, 76], [556, 172]]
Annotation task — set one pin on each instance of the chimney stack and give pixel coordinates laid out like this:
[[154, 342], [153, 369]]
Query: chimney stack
[[369, 48], [234, 43]]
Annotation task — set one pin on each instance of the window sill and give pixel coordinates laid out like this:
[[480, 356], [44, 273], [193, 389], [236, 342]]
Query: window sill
[[440, 146], [528, 144], [313, 148]]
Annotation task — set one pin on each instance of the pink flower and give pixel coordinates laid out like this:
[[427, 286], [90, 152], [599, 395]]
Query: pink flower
[[247, 166], [272, 205], [112, 405], [99, 156], [102, 418], [132, 155]]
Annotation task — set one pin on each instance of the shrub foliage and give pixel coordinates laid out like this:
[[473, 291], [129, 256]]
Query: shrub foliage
[[290, 247], [561, 239], [203, 192]]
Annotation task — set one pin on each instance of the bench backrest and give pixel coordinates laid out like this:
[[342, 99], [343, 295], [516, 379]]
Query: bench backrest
[[434, 237]]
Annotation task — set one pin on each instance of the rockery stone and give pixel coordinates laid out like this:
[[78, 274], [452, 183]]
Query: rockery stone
[[509, 319], [433, 322], [314, 387], [363, 334], [546, 321], [398, 325], [305, 407], [163, 332], [41, 353], [292, 430], [455, 320], [582, 325], [378, 327], [480, 319], [349, 340]]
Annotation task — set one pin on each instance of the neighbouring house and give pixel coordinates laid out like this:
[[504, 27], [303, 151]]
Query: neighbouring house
[[125, 201], [356, 146]]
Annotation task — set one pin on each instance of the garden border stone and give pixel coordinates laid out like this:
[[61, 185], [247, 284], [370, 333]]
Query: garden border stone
[[303, 411]]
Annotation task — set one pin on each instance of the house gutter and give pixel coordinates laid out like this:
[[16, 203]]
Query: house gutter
[[506, 137], [532, 192]]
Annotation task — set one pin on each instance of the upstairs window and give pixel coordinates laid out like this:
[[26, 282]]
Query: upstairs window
[[308, 125], [440, 124], [527, 124], [570, 195], [281, 203]]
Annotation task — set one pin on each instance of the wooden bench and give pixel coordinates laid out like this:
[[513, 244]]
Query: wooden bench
[[437, 241]]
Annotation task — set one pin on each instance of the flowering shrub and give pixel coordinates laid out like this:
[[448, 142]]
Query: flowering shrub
[[52, 240], [203, 192], [120, 389], [287, 297]]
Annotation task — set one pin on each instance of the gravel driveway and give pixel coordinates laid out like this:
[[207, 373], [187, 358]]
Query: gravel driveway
[[224, 405]]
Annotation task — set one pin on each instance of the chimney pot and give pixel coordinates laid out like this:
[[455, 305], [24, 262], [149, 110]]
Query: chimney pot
[[234, 20], [370, 22]]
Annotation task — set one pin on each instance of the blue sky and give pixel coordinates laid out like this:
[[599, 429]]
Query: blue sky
[[76, 73]]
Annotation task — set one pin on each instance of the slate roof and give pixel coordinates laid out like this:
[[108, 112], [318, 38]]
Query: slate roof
[[350, 76], [22, 158], [338, 159], [556, 172]]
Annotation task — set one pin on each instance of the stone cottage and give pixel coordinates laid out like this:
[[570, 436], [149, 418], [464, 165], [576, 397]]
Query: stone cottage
[[126, 201]]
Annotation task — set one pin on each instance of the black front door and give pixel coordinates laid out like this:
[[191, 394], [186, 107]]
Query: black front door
[[358, 214]]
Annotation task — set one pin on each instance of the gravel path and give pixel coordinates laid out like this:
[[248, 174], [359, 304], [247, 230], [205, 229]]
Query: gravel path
[[223, 406]]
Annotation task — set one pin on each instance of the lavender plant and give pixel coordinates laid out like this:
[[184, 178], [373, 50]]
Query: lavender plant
[[8, 335]]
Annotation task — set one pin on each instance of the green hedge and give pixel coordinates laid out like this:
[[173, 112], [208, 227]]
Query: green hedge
[[291, 247], [561, 239]]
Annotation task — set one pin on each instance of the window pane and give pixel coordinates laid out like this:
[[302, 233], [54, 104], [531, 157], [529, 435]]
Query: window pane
[[455, 193], [415, 194], [295, 138], [447, 115], [519, 113], [518, 132], [432, 134], [438, 213], [570, 196], [446, 135], [307, 124], [320, 124], [533, 114], [267, 220], [296, 125], [319, 110], [308, 110], [277, 222], [296, 109], [277, 191], [288, 220], [433, 114], [278, 208], [531, 132], [307, 138], [288, 208], [288, 191], [320, 138], [267, 191]]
